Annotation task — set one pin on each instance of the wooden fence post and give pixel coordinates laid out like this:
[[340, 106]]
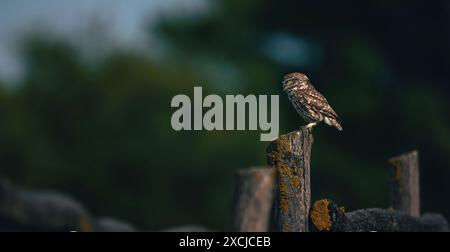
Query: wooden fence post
[[403, 178], [326, 216], [290, 155], [252, 200]]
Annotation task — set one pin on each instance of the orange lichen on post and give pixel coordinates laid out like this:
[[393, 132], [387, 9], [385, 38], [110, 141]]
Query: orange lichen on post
[[277, 154], [287, 227], [296, 181], [395, 164], [320, 216], [284, 198], [290, 156]]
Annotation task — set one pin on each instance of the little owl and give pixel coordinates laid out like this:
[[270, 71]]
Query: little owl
[[308, 102]]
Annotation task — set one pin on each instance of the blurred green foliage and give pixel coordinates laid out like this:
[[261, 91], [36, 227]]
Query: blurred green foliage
[[100, 130]]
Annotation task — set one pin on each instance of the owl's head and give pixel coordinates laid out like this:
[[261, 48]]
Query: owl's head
[[293, 80]]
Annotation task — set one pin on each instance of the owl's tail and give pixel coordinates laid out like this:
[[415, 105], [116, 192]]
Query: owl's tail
[[333, 122]]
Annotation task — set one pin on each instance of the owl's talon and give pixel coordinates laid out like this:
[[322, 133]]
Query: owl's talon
[[311, 125]]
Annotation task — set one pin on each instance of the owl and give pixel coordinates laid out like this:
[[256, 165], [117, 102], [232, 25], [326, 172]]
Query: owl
[[308, 102]]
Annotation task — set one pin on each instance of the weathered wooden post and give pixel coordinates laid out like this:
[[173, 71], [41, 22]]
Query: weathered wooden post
[[326, 216], [252, 200], [403, 175], [290, 156]]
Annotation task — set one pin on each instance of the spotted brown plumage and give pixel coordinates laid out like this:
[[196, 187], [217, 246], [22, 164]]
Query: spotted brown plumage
[[311, 105]]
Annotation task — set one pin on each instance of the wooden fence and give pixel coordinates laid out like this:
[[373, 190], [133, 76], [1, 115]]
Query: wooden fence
[[283, 187], [288, 174]]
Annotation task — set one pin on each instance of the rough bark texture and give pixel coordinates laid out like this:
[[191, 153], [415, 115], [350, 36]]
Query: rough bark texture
[[404, 192], [290, 156], [252, 200], [326, 216]]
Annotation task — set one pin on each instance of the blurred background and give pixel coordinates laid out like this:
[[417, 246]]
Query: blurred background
[[85, 91]]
